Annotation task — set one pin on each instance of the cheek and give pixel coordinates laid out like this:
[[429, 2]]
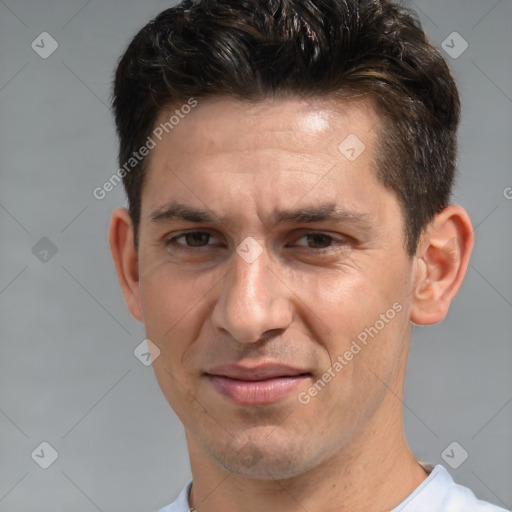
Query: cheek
[[358, 311], [173, 314], [177, 390], [170, 302], [343, 299], [167, 291]]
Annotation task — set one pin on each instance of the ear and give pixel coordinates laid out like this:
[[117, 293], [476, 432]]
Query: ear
[[122, 246], [442, 259]]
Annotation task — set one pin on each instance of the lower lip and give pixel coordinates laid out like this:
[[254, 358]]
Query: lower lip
[[256, 392]]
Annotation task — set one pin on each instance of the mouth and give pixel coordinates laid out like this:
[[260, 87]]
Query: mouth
[[261, 385]]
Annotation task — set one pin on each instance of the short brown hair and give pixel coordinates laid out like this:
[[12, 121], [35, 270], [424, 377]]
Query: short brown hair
[[256, 49]]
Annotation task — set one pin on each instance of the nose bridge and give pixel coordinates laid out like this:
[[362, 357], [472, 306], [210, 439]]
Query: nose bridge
[[252, 299]]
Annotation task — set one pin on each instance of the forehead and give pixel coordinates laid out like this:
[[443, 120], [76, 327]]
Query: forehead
[[230, 155], [296, 124]]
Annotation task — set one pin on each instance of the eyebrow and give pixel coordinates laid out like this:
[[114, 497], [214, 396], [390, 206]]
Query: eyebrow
[[309, 214]]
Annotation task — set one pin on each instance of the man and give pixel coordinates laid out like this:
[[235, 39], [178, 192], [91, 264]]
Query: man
[[288, 166]]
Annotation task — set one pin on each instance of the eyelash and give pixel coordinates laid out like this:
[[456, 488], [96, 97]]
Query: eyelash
[[333, 245]]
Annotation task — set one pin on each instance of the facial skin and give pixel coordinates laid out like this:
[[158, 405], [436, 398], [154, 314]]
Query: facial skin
[[293, 305]]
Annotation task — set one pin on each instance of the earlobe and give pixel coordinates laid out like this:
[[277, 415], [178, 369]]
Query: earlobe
[[124, 253], [441, 263]]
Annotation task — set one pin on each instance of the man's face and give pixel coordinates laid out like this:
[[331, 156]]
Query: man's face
[[252, 296]]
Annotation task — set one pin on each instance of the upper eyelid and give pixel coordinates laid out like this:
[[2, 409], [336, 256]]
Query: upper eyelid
[[179, 234]]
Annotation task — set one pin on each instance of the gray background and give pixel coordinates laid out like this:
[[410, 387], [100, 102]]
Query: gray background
[[68, 375]]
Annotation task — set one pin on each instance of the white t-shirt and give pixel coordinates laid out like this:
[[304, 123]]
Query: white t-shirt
[[438, 493]]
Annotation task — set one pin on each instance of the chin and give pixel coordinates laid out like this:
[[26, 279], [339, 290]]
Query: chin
[[261, 461]]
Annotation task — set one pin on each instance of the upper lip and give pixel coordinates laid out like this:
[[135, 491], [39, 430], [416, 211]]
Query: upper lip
[[257, 372]]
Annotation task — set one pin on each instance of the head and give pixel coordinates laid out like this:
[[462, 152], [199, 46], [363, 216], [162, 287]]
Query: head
[[371, 51], [326, 122]]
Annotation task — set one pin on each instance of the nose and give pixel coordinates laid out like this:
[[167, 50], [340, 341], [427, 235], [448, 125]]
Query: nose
[[253, 300]]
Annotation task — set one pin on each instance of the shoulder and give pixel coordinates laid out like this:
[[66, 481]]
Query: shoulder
[[439, 493], [180, 504]]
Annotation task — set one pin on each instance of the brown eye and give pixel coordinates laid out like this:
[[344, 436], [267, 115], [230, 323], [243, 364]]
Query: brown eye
[[319, 239], [319, 243], [316, 240], [190, 240], [197, 239]]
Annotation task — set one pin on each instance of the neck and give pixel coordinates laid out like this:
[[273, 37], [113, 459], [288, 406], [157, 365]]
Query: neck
[[376, 472]]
